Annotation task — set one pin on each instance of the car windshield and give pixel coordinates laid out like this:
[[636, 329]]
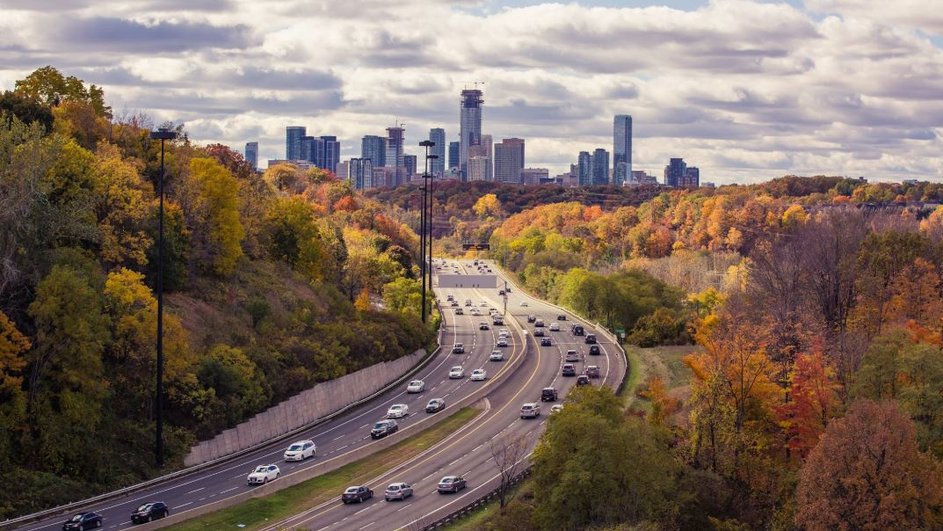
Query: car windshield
[[446, 480], [77, 518], [351, 490], [144, 507], [260, 469], [393, 487], [379, 425]]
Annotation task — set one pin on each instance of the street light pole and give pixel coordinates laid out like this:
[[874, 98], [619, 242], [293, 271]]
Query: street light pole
[[422, 221], [431, 187], [161, 134]]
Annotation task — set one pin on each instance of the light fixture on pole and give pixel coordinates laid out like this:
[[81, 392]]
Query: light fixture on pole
[[161, 134]]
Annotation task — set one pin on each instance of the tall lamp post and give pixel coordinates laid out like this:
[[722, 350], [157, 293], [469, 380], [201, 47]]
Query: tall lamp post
[[161, 134], [431, 187], [422, 232]]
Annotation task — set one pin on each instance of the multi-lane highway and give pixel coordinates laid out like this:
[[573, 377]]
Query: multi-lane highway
[[467, 453]]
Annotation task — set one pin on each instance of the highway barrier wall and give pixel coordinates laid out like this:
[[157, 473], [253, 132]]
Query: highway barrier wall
[[304, 408]]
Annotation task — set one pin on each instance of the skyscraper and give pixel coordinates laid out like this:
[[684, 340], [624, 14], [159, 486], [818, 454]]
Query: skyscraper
[[293, 142], [621, 148], [394, 153], [585, 169], [674, 172], [252, 154], [692, 177], [374, 148], [437, 165], [361, 173], [453, 155], [309, 149], [410, 162], [509, 160], [469, 125], [328, 153], [600, 166]]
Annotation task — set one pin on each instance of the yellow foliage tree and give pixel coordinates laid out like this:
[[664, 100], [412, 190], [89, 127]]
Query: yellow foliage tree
[[487, 205], [122, 207], [218, 203]]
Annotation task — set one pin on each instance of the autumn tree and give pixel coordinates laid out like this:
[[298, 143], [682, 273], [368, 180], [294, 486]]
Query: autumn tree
[[487, 205], [48, 86], [13, 346], [867, 473], [214, 215], [292, 236], [122, 207], [813, 401]]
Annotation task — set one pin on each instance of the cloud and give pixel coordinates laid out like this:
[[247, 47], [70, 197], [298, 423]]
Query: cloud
[[115, 35]]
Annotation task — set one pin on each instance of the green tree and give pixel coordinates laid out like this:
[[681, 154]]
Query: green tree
[[403, 295], [293, 236], [216, 213], [177, 248], [13, 346], [238, 387], [48, 86]]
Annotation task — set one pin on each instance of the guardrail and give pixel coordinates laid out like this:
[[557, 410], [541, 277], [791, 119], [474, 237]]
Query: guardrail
[[126, 491], [483, 500]]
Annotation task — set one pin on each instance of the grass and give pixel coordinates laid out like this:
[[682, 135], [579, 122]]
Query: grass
[[637, 372], [259, 512]]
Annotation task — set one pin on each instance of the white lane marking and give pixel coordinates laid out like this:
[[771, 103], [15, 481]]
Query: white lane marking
[[196, 490], [229, 490], [338, 437], [362, 510], [403, 508], [183, 505], [368, 525]]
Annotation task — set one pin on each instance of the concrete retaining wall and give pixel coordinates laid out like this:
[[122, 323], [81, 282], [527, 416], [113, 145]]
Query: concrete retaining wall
[[304, 408]]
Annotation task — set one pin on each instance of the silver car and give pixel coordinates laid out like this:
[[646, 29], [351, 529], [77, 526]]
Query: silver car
[[398, 491]]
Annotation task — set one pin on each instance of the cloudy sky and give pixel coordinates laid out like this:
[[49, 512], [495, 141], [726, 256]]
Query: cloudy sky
[[744, 89]]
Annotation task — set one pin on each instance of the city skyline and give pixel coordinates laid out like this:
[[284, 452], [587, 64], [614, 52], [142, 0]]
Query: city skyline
[[717, 82]]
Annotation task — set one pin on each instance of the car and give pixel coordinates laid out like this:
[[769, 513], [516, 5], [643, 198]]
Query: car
[[554, 327], [454, 304], [357, 493], [538, 332], [450, 297], [500, 292], [569, 369], [561, 317], [456, 372], [397, 411], [301, 450], [483, 304], [451, 484], [398, 491], [539, 323], [592, 371], [87, 520], [572, 356], [545, 342], [263, 474], [582, 380], [531, 318], [504, 332], [458, 348], [497, 320], [577, 330], [483, 326], [479, 375], [475, 312], [496, 355], [384, 428], [149, 511], [523, 304], [548, 394], [468, 302], [594, 350], [416, 386], [556, 408], [436, 404], [590, 339], [501, 342], [530, 410], [458, 311]]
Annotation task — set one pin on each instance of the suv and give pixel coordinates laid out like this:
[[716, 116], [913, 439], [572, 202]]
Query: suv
[[149, 511], [582, 380], [498, 320], [592, 371], [594, 350], [572, 356], [357, 493], [549, 394], [577, 330], [451, 484], [569, 369], [384, 428], [546, 342], [458, 348], [590, 339], [530, 410]]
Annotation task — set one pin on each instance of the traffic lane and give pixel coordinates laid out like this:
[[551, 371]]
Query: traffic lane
[[332, 438]]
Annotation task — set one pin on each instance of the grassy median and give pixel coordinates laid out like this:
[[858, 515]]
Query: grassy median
[[260, 512]]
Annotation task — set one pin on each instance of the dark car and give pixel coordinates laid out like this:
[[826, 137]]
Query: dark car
[[539, 332], [590, 339], [458, 349], [483, 326], [531, 318], [561, 317], [545, 342], [384, 428], [500, 292], [549, 394], [87, 520], [451, 484], [436, 404], [577, 330], [594, 350], [569, 369], [149, 511], [592, 371], [357, 493], [582, 380]]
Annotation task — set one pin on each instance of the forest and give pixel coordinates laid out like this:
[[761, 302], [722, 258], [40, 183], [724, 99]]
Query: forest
[[273, 282]]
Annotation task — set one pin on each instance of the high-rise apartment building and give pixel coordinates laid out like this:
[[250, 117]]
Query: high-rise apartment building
[[469, 125], [361, 173], [453, 155], [252, 154], [477, 168], [309, 149], [374, 148], [535, 175], [394, 154], [328, 154], [484, 151], [692, 177], [621, 149], [410, 162], [437, 165], [509, 160], [600, 166], [584, 172], [674, 172], [294, 135]]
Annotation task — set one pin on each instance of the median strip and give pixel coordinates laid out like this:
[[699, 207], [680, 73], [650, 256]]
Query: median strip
[[259, 512]]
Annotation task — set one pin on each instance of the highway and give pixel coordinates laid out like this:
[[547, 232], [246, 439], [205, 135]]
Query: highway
[[468, 455]]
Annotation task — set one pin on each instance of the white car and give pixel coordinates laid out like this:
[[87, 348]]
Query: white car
[[504, 332], [416, 386], [456, 372], [556, 408], [479, 375], [501, 342], [263, 474], [397, 411], [301, 450], [496, 355], [554, 327], [523, 304]]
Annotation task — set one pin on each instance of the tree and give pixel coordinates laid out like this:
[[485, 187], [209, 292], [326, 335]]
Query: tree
[[13, 346], [509, 455], [487, 205], [122, 208], [292, 235], [867, 473], [813, 401], [26, 110], [215, 210], [47, 85], [403, 295]]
